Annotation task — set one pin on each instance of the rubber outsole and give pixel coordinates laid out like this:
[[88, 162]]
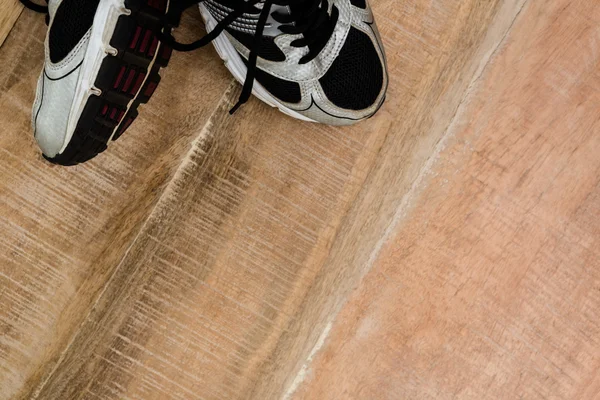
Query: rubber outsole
[[126, 80]]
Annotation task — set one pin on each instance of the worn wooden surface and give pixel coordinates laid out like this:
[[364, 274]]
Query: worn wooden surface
[[9, 12], [206, 256], [65, 230], [489, 286]]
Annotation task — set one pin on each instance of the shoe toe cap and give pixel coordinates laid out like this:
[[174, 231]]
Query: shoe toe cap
[[51, 114], [356, 78], [49, 142]]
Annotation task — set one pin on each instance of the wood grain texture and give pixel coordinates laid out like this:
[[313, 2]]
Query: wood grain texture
[[206, 256], [489, 285], [442, 64], [206, 303], [65, 230], [9, 12]]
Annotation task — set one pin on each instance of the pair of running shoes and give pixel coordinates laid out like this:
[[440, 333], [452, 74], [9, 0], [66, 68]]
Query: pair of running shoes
[[315, 60]]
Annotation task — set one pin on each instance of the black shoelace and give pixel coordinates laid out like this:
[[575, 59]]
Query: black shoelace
[[309, 18], [37, 8]]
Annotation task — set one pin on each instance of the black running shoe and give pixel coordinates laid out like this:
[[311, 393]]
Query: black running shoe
[[315, 60], [102, 61]]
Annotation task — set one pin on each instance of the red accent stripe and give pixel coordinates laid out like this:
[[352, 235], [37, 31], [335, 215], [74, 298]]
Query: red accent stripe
[[153, 47], [113, 113], [104, 110], [146, 41], [138, 83], [150, 89], [138, 32], [127, 124], [165, 53], [128, 81], [119, 77], [121, 114], [158, 4]]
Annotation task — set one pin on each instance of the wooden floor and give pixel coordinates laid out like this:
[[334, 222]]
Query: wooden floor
[[448, 248]]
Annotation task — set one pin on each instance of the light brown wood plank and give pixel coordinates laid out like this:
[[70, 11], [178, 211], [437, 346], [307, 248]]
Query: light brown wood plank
[[488, 286], [466, 35], [65, 230], [9, 12], [231, 280]]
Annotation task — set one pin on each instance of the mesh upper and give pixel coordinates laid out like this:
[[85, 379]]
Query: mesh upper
[[70, 23], [268, 48], [286, 91], [355, 79], [359, 3]]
